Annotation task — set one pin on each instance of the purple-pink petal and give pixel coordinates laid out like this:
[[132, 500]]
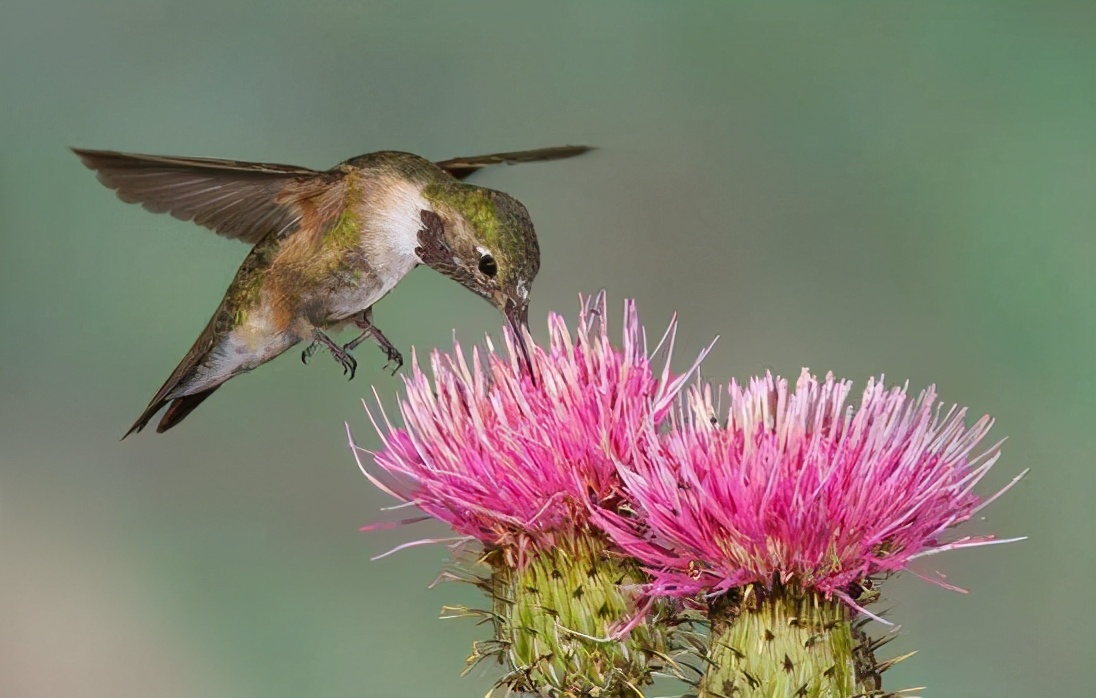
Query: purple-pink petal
[[798, 486], [509, 460]]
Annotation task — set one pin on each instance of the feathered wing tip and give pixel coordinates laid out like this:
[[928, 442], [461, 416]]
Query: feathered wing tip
[[235, 199], [462, 168]]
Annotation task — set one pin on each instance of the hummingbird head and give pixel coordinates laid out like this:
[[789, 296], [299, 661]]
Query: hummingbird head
[[484, 240]]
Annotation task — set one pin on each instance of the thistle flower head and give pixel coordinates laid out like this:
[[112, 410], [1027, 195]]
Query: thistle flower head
[[510, 460], [518, 463], [799, 488]]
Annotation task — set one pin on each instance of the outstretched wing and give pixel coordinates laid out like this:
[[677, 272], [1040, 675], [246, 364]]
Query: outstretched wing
[[462, 168], [240, 200]]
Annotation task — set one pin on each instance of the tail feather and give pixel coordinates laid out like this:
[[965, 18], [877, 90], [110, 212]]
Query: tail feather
[[182, 374], [143, 420], [181, 407]]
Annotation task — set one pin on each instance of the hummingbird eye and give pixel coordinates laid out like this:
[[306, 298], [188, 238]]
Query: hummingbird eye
[[487, 265]]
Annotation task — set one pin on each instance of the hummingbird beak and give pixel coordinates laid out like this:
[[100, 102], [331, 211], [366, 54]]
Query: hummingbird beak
[[517, 314]]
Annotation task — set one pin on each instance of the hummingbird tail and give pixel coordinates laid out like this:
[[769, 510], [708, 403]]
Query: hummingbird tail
[[180, 408], [143, 420]]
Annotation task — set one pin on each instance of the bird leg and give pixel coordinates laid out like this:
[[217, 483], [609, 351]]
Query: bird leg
[[365, 324], [340, 353]]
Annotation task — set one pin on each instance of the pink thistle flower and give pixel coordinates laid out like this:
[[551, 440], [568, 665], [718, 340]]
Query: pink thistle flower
[[783, 517], [511, 461], [801, 488], [518, 464]]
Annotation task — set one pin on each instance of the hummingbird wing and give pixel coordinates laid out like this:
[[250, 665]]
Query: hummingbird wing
[[240, 200], [462, 168]]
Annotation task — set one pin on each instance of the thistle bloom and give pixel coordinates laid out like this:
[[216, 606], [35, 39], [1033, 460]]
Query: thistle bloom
[[783, 517], [517, 464]]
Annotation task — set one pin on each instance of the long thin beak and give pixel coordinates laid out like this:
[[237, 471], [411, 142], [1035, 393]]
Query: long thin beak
[[517, 314]]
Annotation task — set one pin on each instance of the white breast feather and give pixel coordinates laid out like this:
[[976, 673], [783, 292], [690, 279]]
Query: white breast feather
[[402, 217]]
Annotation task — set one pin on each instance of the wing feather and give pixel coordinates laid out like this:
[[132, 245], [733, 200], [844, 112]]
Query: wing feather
[[240, 200], [462, 168]]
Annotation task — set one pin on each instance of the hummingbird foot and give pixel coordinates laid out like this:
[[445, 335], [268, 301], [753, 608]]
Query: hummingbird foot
[[341, 354], [309, 351], [365, 324]]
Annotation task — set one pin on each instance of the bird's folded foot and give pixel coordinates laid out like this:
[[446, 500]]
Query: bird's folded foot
[[341, 354], [309, 351], [394, 357], [365, 324]]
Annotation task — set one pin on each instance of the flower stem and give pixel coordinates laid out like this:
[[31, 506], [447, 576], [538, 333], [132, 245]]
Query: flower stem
[[781, 642]]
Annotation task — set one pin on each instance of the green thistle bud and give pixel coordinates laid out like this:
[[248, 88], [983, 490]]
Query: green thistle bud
[[555, 617], [786, 643]]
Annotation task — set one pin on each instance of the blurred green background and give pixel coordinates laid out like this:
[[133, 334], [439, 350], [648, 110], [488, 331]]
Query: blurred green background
[[904, 188]]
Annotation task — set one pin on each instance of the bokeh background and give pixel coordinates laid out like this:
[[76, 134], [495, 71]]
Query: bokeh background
[[898, 188]]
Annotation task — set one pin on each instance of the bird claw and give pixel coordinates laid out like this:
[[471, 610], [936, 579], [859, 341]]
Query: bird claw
[[308, 352], [350, 365], [365, 324], [394, 357], [342, 354]]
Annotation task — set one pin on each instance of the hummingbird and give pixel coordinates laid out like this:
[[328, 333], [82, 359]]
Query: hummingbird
[[326, 246]]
